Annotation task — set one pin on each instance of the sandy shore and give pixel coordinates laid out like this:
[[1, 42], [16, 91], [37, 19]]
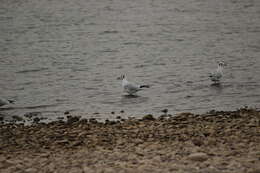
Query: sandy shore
[[215, 142]]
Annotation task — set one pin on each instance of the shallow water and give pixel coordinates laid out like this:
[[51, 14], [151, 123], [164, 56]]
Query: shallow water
[[62, 55]]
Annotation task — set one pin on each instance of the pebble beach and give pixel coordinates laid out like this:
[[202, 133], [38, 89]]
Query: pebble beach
[[214, 142]]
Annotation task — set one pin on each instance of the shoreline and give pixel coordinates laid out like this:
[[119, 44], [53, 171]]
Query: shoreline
[[33, 118], [218, 141]]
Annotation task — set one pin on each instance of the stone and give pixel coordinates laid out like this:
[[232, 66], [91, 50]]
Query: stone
[[31, 170], [72, 119], [148, 117], [165, 111], [36, 120], [66, 112], [17, 118], [200, 157], [32, 114], [93, 120], [64, 141]]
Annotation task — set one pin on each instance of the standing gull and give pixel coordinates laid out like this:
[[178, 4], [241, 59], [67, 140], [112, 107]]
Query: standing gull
[[129, 87], [217, 75]]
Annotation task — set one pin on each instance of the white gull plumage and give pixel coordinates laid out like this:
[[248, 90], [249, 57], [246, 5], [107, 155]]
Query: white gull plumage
[[129, 87], [217, 75]]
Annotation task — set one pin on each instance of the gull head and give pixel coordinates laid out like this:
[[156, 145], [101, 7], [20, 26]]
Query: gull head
[[222, 64], [121, 77]]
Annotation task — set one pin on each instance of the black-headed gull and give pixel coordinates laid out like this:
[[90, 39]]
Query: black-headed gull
[[5, 102], [217, 75], [129, 87]]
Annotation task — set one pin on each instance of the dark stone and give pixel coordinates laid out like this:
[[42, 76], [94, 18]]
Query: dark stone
[[148, 117], [72, 119], [92, 120], [36, 120], [212, 111], [84, 120], [32, 114], [165, 111], [17, 118], [108, 122]]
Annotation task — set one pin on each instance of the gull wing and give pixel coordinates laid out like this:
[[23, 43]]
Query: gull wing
[[215, 76], [131, 88]]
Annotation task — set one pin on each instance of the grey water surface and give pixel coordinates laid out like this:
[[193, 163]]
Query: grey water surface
[[64, 55]]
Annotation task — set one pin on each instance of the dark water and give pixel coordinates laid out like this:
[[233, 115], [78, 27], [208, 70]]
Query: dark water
[[63, 55]]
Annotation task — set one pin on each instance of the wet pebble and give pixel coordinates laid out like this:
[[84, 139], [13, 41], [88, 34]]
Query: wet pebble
[[165, 111], [32, 114], [66, 112], [108, 122], [36, 120], [72, 119], [93, 120], [148, 117], [17, 118]]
